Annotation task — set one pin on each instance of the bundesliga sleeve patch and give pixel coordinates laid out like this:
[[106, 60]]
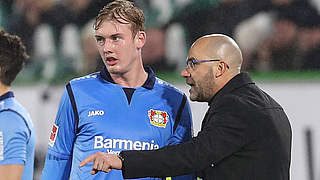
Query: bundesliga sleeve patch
[[53, 135]]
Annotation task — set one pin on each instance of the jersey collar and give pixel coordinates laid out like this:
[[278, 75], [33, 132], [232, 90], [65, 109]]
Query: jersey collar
[[6, 95], [148, 84]]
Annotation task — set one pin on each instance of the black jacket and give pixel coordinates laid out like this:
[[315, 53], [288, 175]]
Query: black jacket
[[245, 135]]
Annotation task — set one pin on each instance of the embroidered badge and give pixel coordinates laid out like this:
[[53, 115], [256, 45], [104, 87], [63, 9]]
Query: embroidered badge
[[53, 135], [158, 118]]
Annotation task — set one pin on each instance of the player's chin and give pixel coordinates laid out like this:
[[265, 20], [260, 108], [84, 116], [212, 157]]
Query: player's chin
[[116, 69]]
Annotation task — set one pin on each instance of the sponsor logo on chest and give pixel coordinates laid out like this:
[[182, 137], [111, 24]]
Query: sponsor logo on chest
[[158, 118], [126, 144], [96, 113]]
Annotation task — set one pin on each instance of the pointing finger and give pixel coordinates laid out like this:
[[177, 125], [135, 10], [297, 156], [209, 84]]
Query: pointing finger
[[90, 158]]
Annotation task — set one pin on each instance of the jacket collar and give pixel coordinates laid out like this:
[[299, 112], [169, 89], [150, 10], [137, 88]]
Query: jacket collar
[[236, 82], [148, 84], [6, 95]]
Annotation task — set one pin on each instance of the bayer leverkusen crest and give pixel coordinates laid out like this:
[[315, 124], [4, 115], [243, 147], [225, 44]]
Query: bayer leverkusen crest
[[158, 118]]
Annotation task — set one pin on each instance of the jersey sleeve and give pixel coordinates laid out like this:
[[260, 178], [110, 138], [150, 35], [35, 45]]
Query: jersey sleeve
[[14, 136], [58, 160], [183, 129]]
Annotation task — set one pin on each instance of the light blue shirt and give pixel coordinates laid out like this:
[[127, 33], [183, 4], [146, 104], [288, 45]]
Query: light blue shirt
[[17, 138], [95, 115]]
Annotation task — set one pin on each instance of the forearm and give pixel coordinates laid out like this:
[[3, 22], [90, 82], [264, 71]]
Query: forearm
[[11, 171], [168, 161]]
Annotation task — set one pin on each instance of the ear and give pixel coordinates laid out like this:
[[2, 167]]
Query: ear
[[140, 39], [221, 69]]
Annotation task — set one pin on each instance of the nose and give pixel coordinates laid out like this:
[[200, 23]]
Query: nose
[[107, 47], [185, 73]]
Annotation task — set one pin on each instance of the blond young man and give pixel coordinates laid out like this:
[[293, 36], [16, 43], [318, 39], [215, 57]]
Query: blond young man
[[122, 107]]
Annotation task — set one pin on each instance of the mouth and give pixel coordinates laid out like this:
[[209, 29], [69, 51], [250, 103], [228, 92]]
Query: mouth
[[189, 82], [111, 61]]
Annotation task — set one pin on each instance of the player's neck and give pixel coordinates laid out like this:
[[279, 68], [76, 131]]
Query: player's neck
[[3, 89], [132, 79]]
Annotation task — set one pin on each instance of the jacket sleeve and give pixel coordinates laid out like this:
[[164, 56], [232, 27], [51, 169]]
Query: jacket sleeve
[[59, 154], [223, 134]]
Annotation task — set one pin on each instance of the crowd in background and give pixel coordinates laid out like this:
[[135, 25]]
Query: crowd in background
[[273, 34]]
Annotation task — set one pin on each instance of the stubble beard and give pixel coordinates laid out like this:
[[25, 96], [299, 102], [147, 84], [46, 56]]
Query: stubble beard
[[202, 91]]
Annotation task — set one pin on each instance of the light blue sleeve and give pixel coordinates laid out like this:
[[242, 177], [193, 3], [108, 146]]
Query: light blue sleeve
[[59, 154], [183, 133], [184, 130], [14, 136], [56, 169]]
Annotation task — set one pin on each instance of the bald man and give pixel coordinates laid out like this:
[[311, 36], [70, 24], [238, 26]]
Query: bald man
[[245, 134]]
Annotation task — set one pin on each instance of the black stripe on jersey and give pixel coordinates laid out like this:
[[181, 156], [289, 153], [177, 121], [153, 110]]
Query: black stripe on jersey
[[178, 118], [74, 107]]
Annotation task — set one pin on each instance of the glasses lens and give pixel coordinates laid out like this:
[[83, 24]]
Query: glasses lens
[[190, 64]]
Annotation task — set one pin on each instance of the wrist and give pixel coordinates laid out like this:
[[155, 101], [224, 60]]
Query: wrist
[[121, 159]]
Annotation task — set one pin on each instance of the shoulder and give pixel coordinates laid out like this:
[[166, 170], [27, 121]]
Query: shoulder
[[13, 120], [167, 87], [85, 83], [230, 102], [80, 81], [227, 100], [10, 114], [240, 103], [15, 111]]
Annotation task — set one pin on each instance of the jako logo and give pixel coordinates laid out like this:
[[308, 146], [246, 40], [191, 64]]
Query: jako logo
[[96, 113], [100, 142]]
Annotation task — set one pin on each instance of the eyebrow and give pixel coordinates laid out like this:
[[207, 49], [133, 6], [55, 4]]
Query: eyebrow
[[116, 34], [112, 35]]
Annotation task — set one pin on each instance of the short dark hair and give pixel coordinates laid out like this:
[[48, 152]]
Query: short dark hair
[[13, 56], [122, 10]]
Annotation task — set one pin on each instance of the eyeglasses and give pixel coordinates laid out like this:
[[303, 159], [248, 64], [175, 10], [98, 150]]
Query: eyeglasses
[[191, 62]]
